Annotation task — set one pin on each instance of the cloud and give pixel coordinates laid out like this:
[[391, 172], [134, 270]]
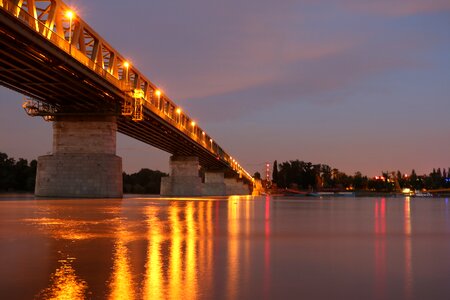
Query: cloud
[[398, 7], [250, 55], [325, 77]]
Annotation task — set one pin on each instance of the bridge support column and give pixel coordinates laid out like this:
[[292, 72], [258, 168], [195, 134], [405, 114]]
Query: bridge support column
[[84, 162], [257, 188], [214, 184], [236, 187], [184, 179]]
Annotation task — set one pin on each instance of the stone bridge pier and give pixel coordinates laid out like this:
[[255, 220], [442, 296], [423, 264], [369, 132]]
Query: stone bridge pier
[[184, 180], [235, 186], [83, 162]]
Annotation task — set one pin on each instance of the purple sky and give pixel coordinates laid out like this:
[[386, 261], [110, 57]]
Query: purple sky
[[359, 85]]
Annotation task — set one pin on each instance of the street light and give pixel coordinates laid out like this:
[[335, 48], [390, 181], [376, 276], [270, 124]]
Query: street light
[[158, 96], [178, 118], [126, 65], [70, 15]]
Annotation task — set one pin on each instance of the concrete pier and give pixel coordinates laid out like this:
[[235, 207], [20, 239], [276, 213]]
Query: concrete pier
[[214, 184], [236, 187], [184, 179], [257, 188], [84, 161]]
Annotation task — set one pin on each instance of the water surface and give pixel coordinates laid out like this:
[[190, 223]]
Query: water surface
[[224, 248]]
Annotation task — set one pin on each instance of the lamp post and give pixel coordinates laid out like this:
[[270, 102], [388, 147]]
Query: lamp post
[[158, 96], [126, 65], [69, 14], [193, 127], [178, 111]]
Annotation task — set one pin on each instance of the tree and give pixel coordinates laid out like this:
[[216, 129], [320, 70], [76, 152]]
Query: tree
[[413, 180], [360, 182], [145, 181], [257, 175], [16, 175], [275, 172], [326, 176]]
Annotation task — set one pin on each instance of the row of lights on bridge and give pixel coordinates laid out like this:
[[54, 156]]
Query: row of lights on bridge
[[70, 15]]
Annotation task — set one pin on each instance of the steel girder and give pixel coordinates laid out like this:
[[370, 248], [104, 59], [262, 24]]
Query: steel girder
[[58, 58]]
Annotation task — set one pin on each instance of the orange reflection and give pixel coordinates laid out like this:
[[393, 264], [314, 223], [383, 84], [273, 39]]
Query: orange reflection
[[154, 284], [246, 271], [233, 246], [204, 241], [122, 280], [408, 261], [181, 248], [66, 229], [191, 283], [380, 248], [267, 247], [65, 283], [209, 238], [175, 263]]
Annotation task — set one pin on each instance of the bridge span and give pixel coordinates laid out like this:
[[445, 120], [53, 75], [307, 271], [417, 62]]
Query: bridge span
[[73, 77]]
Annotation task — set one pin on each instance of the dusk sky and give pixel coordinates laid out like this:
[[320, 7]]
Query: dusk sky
[[358, 85]]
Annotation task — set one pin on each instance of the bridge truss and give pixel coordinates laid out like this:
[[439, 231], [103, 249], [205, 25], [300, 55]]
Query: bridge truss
[[52, 56]]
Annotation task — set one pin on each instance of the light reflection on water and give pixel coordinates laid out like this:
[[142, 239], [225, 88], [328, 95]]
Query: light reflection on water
[[408, 257], [65, 284], [121, 284], [227, 248]]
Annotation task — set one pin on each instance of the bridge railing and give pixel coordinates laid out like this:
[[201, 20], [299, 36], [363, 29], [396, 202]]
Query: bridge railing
[[124, 78]]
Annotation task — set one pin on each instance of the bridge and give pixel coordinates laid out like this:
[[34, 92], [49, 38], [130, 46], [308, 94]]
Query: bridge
[[76, 79]]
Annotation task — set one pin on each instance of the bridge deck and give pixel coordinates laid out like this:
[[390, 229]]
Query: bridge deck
[[45, 66]]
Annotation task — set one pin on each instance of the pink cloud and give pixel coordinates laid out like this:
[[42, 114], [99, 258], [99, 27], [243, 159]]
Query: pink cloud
[[399, 7]]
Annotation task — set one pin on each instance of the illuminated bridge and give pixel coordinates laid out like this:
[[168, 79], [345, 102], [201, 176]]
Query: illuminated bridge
[[73, 77]]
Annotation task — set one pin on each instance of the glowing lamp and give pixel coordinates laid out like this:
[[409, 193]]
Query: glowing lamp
[[69, 14]]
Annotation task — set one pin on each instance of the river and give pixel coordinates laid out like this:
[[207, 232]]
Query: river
[[143, 247]]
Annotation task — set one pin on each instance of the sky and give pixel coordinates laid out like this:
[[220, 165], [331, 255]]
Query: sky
[[358, 85]]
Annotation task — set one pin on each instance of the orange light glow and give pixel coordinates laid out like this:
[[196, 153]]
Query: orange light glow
[[193, 123], [154, 283], [175, 261], [178, 110], [121, 283], [65, 283], [234, 246], [126, 64], [70, 14], [158, 93]]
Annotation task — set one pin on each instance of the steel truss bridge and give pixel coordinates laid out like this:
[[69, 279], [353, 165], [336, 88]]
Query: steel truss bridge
[[52, 56]]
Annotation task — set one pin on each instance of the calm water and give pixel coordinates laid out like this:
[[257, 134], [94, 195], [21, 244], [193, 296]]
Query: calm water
[[225, 248]]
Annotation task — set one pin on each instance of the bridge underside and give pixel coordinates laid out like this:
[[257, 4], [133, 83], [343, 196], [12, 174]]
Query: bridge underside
[[33, 67], [83, 93]]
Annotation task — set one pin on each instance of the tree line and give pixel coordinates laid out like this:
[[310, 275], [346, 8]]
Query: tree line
[[145, 181], [20, 176], [17, 175], [308, 176]]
